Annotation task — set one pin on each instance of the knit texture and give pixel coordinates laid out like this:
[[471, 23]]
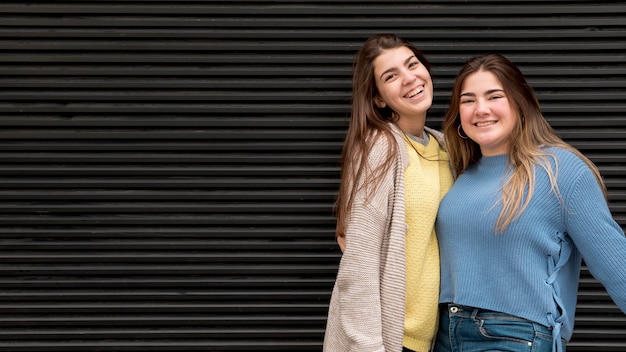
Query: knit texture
[[367, 305], [532, 269], [427, 179]]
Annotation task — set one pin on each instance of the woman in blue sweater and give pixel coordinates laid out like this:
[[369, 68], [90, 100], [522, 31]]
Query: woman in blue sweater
[[525, 210]]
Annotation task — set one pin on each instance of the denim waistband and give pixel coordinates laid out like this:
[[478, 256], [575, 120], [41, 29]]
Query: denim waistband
[[462, 311]]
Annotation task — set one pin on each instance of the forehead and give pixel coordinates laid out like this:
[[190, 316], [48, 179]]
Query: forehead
[[390, 58], [481, 81]]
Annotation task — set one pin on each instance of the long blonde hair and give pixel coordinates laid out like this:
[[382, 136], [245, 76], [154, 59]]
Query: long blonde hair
[[531, 134], [367, 122]]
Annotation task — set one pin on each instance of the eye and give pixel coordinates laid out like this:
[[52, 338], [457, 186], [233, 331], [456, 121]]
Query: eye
[[414, 64], [496, 97], [389, 77], [467, 100]]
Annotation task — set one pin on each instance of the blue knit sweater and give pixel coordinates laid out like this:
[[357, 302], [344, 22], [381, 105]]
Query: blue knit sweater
[[532, 269]]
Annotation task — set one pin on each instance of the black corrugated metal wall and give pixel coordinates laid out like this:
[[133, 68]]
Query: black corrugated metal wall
[[168, 168]]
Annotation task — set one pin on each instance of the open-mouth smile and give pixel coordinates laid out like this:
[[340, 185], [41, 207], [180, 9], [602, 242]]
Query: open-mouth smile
[[485, 123], [414, 92]]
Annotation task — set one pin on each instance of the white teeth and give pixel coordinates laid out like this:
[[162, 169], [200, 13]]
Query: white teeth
[[487, 123], [415, 92]]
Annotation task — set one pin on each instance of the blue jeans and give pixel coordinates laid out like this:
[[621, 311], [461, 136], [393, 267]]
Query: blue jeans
[[469, 329]]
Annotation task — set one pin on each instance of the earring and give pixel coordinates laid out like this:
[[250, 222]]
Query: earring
[[458, 130]]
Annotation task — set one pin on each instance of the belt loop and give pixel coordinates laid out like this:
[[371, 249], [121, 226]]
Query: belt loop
[[474, 314]]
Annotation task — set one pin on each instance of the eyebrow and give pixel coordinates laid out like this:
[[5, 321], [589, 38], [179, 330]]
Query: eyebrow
[[490, 91], [394, 69]]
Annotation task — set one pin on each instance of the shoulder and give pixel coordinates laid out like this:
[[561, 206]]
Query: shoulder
[[383, 143], [566, 159], [570, 168], [380, 142]]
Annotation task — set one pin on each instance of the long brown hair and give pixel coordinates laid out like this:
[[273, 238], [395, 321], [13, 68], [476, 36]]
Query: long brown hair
[[367, 122], [531, 134]]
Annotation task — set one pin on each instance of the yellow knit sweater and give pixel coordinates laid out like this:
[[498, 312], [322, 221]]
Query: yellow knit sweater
[[427, 179]]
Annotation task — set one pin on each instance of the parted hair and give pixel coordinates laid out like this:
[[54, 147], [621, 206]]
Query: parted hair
[[367, 123], [528, 140]]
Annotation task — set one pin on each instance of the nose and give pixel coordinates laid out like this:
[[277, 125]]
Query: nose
[[481, 107], [408, 77]]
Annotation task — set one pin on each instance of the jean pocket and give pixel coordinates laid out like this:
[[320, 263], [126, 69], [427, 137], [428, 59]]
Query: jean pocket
[[514, 331]]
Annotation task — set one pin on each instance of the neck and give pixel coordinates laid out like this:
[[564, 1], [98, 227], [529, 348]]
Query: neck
[[414, 126]]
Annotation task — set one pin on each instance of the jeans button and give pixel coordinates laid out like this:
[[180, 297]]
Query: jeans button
[[454, 309]]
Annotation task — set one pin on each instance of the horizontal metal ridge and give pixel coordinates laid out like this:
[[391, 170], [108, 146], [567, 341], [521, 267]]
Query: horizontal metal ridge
[[218, 10], [72, 269], [211, 183], [275, 195], [196, 207], [165, 345], [206, 45], [270, 34], [200, 146]]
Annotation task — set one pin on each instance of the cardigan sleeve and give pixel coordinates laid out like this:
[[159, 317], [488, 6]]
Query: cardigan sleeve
[[358, 283]]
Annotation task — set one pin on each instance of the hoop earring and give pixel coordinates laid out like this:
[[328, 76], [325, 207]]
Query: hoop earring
[[458, 130]]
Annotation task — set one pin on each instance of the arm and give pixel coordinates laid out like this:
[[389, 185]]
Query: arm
[[358, 280], [597, 236], [358, 285]]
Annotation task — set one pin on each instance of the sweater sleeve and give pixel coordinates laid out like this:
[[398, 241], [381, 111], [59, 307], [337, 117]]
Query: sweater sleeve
[[358, 279], [597, 235]]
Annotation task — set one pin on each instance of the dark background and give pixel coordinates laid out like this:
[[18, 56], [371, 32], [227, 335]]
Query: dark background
[[168, 168]]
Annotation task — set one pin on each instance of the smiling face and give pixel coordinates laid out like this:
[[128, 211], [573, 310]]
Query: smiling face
[[403, 83], [487, 116]]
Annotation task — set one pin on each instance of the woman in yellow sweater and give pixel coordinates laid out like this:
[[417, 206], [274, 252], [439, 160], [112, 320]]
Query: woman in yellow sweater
[[395, 171]]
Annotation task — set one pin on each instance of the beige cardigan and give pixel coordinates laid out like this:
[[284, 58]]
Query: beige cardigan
[[366, 312]]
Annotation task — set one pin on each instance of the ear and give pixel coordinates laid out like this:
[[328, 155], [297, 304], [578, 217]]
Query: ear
[[379, 102]]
